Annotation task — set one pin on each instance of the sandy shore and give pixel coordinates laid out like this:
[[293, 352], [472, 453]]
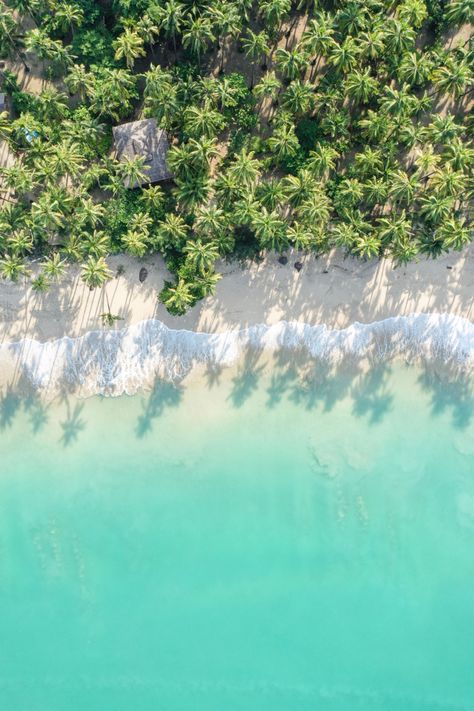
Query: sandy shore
[[330, 290]]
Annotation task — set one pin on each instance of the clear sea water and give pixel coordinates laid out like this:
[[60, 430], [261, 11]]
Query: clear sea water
[[248, 542]]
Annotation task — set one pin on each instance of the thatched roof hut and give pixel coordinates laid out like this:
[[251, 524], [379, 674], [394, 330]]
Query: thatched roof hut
[[144, 138]]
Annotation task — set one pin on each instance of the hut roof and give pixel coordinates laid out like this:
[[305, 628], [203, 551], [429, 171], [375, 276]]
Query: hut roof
[[144, 138]]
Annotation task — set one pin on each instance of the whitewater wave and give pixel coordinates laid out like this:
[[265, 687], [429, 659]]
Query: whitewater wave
[[126, 360]]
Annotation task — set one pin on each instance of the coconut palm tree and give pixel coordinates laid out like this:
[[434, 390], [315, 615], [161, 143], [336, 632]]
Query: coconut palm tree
[[459, 12], [95, 272], [291, 63], [284, 141], [129, 46], [170, 17], [172, 232], [200, 255], [12, 268], [202, 121], [298, 98], [67, 16], [227, 20], [274, 12], [256, 47], [54, 267], [245, 168], [197, 35], [177, 297], [270, 229], [453, 78], [322, 160], [361, 85]]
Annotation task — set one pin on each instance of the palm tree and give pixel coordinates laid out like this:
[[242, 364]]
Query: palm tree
[[291, 63], [361, 86], [274, 12], [453, 78], [395, 228], [226, 18], [272, 193], [135, 242], [129, 46], [172, 232], [413, 13], [403, 187], [54, 267], [415, 68], [200, 255], [343, 57], [371, 43], [256, 47], [170, 18], [459, 154], [299, 236], [12, 268], [67, 16], [79, 81], [132, 170], [399, 36], [202, 121], [318, 37], [95, 272], [211, 221], [459, 12], [270, 229], [245, 169], [178, 297], [454, 234], [284, 141], [436, 209], [197, 36], [205, 284], [298, 98], [322, 160]]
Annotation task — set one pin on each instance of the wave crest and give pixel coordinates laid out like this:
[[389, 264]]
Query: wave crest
[[123, 361]]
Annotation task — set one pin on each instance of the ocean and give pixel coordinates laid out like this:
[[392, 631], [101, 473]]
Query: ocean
[[253, 539]]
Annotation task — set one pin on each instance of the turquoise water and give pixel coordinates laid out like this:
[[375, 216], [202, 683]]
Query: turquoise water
[[249, 542]]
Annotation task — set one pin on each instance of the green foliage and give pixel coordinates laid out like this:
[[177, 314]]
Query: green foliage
[[355, 136], [93, 46]]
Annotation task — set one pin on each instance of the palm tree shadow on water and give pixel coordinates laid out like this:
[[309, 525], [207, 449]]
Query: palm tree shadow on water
[[245, 383], [163, 396], [73, 425], [454, 394]]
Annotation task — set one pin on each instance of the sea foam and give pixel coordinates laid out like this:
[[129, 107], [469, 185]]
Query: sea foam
[[123, 361]]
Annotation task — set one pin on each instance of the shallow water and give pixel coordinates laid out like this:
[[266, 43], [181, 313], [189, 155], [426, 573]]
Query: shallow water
[[248, 542]]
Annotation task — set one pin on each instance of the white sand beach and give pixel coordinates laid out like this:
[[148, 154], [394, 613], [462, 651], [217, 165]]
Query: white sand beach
[[331, 291]]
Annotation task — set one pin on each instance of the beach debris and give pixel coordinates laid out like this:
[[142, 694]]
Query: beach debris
[[448, 267], [143, 274], [283, 259], [120, 270], [325, 271], [298, 266]]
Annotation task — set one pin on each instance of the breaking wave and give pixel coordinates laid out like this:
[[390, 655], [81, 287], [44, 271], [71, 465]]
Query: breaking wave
[[126, 360]]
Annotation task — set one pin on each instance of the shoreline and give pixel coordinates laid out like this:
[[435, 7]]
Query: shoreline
[[334, 309]]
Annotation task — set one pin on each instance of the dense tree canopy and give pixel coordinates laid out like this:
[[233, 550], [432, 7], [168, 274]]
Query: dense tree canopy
[[332, 123]]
